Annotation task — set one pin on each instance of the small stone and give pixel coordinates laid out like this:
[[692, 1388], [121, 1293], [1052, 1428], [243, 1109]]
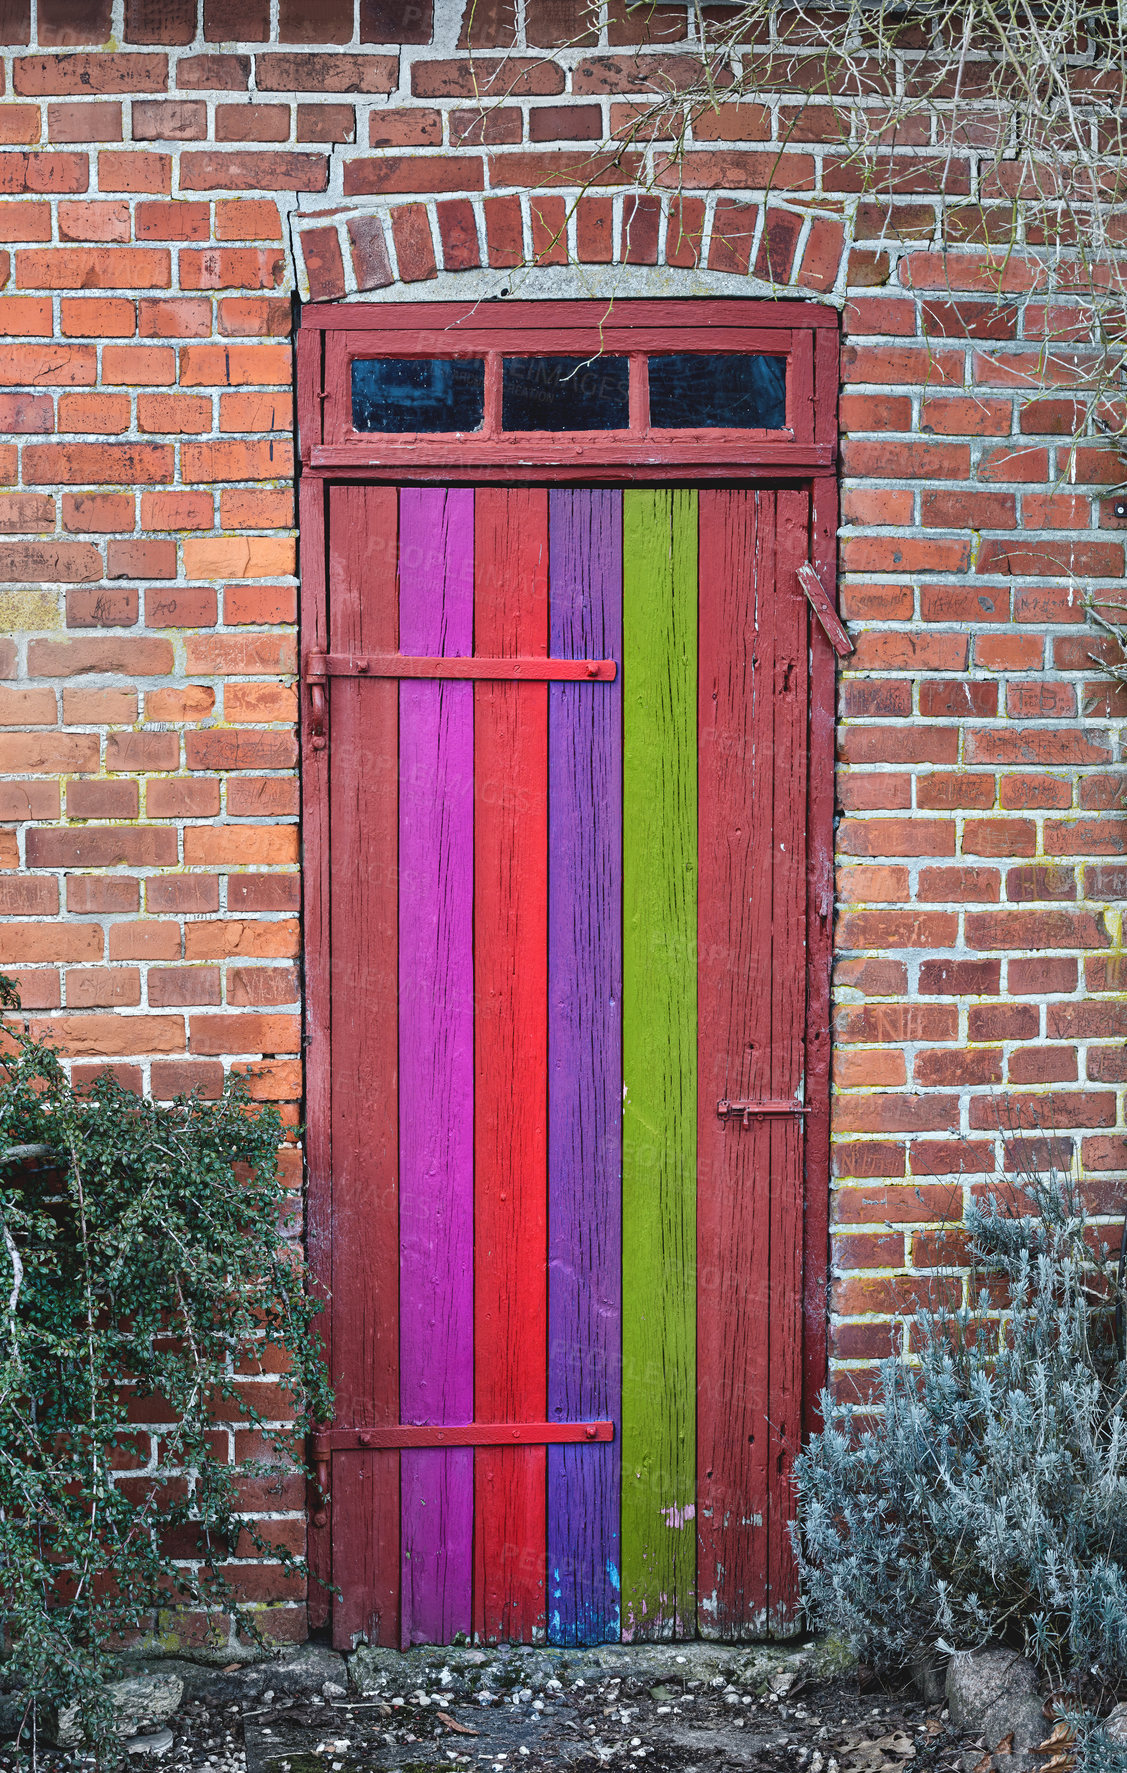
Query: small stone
[[333, 1690], [158, 1742]]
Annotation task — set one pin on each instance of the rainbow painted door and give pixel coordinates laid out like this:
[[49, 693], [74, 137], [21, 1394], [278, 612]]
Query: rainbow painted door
[[567, 814]]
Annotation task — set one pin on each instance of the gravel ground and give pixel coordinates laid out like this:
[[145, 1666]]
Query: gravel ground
[[674, 1708]]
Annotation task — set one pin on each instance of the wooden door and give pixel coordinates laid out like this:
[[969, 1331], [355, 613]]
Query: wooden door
[[567, 743]]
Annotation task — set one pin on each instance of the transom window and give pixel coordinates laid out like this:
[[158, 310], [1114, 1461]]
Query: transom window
[[678, 391], [505, 391]]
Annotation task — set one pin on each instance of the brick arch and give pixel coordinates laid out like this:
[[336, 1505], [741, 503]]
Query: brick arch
[[775, 248]]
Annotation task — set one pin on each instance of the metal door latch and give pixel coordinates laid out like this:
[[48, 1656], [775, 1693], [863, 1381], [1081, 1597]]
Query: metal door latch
[[749, 1111]]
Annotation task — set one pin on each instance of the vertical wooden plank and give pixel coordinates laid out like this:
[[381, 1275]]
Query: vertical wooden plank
[[819, 915], [364, 733], [316, 876], [659, 1062], [585, 1065], [510, 1060], [436, 1059], [738, 773], [788, 1029]]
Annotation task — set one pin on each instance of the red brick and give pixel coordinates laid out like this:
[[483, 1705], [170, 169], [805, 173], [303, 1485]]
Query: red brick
[[67, 366], [181, 606], [368, 248], [871, 1158], [233, 267], [897, 837], [594, 230], [391, 174], [326, 123], [896, 1022], [1030, 1065], [172, 22], [1039, 976], [102, 800], [181, 318], [960, 978], [958, 1069], [999, 837], [223, 169], [945, 792], [95, 846], [31, 221], [1032, 930], [733, 236], [102, 987], [49, 174], [175, 120], [897, 1114], [244, 1034], [324, 263], [252, 123], [107, 222], [84, 122], [414, 248], [1064, 1108], [173, 221], [101, 893], [898, 929], [131, 656], [263, 892], [32, 895], [1029, 790], [171, 987], [194, 894], [1002, 1021], [49, 463], [511, 77], [329, 73]]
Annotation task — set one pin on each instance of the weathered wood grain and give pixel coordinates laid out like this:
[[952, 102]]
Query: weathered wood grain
[[585, 1065], [510, 1060], [659, 1062], [363, 811], [436, 1060], [739, 770], [788, 1027]]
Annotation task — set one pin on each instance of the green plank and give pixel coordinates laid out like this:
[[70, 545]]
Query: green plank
[[659, 1057]]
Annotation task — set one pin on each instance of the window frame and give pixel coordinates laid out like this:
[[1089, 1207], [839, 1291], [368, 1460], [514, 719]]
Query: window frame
[[331, 339]]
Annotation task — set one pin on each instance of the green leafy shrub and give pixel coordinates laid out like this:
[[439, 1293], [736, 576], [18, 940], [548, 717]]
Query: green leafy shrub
[[987, 1501], [144, 1278]]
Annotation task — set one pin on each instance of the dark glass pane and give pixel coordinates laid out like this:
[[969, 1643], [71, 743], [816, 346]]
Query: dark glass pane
[[418, 394], [565, 394], [743, 392]]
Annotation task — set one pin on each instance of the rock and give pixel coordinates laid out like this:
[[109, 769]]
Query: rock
[[929, 1672], [141, 1703], [1021, 1718], [1115, 1724], [979, 1685], [158, 1743]]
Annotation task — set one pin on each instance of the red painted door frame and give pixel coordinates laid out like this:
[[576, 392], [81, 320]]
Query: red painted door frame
[[331, 452]]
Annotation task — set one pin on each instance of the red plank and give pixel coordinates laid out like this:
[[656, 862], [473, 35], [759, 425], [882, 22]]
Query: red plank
[[363, 738], [751, 1011], [315, 884], [510, 1060], [788, 741]]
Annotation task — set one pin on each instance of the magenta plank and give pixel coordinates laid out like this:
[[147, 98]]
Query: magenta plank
[[435, 1059], [585, 1064]]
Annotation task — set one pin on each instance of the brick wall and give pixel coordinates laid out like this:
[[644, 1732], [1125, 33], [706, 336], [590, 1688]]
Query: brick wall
[[170, 175]]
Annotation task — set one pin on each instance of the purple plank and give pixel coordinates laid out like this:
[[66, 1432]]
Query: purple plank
[[585, 1065], [436, 1059]]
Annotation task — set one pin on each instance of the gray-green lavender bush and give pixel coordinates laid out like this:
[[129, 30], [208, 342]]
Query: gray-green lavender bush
[[987, 1502]]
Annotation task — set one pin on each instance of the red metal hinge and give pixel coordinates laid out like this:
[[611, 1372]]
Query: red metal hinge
[[822, 604]]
